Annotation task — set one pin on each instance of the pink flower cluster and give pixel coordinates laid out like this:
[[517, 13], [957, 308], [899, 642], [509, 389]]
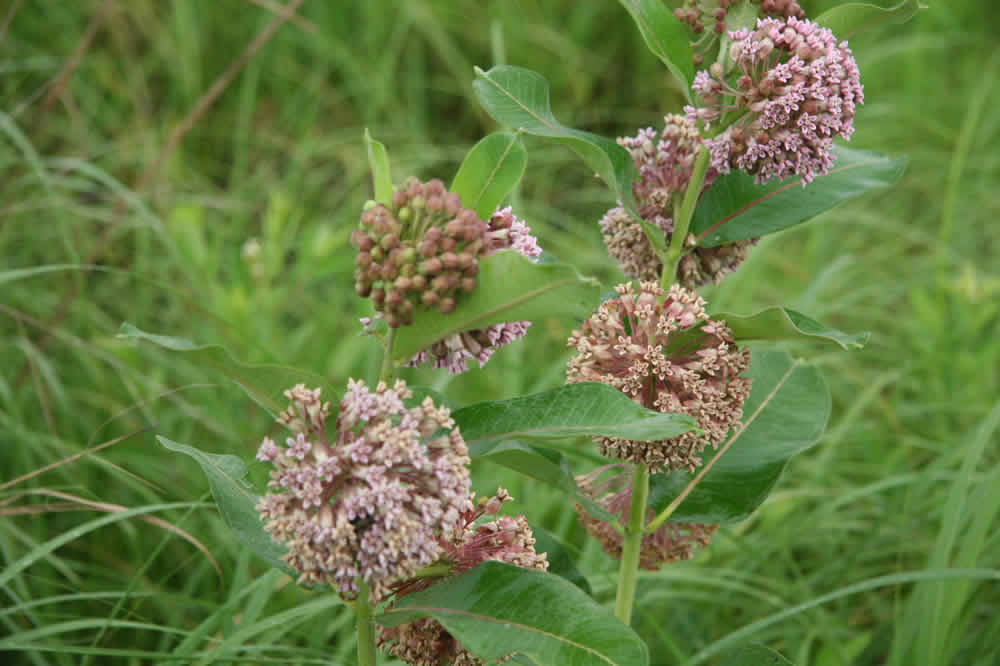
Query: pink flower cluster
[[426, 642], [661, 349], [504, 232], [664, 164], [797, 88], [370, 498], [670, 543]]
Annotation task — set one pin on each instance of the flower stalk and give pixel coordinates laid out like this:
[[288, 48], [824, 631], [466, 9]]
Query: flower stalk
[[682, 218], [388, 367], [365, 615], [631, 546]]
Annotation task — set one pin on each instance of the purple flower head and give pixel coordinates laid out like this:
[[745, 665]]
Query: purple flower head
[[503, 539], [796, 88], [670, 543], [661, 349], [370, 498], [504, 231], [664, 164]]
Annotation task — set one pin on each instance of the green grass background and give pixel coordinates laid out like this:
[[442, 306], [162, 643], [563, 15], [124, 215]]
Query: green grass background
[[838, 567]]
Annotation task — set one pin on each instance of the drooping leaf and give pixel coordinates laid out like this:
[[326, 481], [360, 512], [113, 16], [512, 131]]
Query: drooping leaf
[[490, 172], [519, 98], [849, 19], [511, 288], [735, 208], [236, 501], [547, 466], [587, 409], [495, 609], [378, 162], [666, 37], [263, 383], [785, 324], [786, 413], [559, 559]]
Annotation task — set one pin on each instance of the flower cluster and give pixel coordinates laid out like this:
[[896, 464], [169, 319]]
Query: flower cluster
[[422, 249], [708, 19], [796, 89], [504, 539], [504, 231], [670, 543], [664, 164], [661, 349], [370, 498]]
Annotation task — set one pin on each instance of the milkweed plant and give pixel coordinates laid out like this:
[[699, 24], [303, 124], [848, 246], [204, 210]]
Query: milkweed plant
[[694, 410]]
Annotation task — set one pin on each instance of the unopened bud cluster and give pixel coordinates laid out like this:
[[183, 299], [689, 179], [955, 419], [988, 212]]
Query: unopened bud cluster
[[795, 89], [664, 162], [503, 231], [661, 349], [370, 497], [504, 539], [422, 249], [710, 18], [669, 543]]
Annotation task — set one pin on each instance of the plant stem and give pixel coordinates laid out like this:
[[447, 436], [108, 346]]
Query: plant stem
[[629, 573], [366, 626], [388, 367], [682, 218], [363, 609]]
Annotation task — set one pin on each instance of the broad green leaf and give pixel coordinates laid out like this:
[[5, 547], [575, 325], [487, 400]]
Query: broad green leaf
[[735, 208], [490, 172], [851, 18], [519, 98], [263, 383], [511, 288], [588, 409], [559, 559], [786, 413], [378, 162], [236, 501], [785, 324], [547, 466], [666, 37], [495, 609]]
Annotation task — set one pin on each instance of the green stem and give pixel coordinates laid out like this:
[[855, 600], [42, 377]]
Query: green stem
[[388, 367], [682, 218], [366, 626], [631, 546]]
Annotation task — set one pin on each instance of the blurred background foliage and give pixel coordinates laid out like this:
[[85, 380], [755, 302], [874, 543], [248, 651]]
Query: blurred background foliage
[[219, 210]]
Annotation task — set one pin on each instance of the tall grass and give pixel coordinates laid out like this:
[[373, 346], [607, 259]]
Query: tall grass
[[847, 562]]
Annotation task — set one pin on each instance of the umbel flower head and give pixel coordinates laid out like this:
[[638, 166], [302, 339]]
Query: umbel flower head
[[369, 498], [796, 88], [708, 20], [670, 543], [664, 164], [504, 231], [425, 642], [661, 349]]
